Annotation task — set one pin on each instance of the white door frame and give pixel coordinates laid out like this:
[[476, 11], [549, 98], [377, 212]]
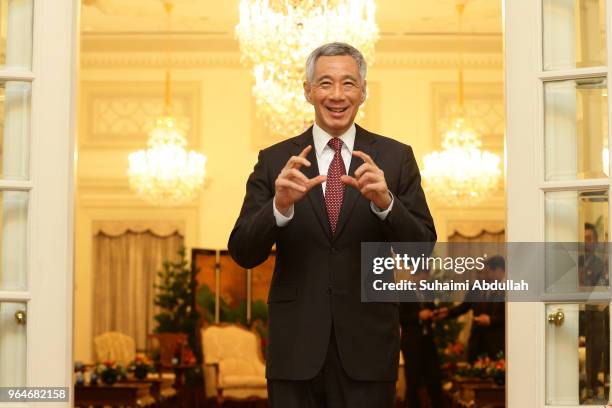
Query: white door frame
[[526, 185], [51, 195]]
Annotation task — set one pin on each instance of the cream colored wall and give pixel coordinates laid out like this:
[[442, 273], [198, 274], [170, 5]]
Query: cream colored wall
[[404, 84], [406, 105]]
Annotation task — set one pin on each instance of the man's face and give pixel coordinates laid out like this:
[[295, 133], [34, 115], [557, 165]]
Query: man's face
[[497, 274], [589, 240], [336, 92]]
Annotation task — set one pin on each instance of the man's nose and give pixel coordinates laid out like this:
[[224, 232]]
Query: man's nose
[[337, 92]]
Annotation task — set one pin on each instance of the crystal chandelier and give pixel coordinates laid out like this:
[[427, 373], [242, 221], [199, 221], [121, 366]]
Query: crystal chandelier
[[165, 173], [461, 174], [275, 39]]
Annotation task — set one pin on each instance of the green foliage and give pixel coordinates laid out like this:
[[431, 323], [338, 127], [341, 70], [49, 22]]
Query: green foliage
[[259, 311], [174, 298], [206, 300]]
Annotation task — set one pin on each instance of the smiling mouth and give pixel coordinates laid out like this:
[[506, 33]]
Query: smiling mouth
[[337, 110]]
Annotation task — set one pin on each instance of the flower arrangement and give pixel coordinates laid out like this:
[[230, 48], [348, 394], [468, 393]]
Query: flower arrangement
[[187, 356], [141, 366], [109, 371], [451, 355], [486, 368], [499, 371]]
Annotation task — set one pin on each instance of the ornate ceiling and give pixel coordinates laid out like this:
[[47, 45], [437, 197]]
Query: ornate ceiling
[[218, 17]]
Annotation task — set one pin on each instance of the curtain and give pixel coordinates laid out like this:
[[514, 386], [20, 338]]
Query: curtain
[[481, 236], [125, 269]]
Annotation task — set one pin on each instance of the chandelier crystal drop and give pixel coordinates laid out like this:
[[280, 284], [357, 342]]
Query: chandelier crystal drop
[[276, 37]]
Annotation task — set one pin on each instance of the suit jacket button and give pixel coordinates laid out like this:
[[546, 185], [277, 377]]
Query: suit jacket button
[[329, 289], [333, 250]]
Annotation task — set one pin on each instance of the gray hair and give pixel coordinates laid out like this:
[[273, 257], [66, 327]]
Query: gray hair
[[334, 49]]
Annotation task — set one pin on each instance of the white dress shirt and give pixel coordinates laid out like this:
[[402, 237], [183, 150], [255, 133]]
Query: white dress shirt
[[325, 155]]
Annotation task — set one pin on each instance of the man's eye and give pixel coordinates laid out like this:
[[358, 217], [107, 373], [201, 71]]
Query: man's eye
[[325, 84]]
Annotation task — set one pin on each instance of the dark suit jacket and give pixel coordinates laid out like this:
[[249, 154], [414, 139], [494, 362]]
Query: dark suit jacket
[[417, 336], [316, 280], [489, 340], [421, 361]]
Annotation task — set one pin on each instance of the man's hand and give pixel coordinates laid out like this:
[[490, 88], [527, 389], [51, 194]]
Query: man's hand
[[482, 320], [442, 313], [370, 181], [425, 314], [291, 185]]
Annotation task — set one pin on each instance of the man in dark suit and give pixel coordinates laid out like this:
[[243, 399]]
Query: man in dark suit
[[595, 319], [591, 269], [421, 362], [318, 196], [488, 334]]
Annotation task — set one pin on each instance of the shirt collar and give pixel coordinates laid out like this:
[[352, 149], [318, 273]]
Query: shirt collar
[[321, 138]]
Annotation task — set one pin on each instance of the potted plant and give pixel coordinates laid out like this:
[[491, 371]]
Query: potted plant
[[109, 371], [141, 367], [178, 318]]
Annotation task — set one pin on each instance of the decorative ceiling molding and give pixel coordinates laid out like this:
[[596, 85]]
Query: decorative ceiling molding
[[159, 60], [197, 50], [439, 60], [481, 16], [231, 60], [227, 43]]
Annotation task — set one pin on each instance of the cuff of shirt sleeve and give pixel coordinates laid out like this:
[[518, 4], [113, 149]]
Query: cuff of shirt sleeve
[[282, 220], [382, 214]]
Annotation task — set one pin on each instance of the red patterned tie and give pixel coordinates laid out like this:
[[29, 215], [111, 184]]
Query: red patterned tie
[[334, 189]]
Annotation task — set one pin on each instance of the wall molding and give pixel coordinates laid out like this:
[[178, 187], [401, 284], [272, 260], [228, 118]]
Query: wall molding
[[148, 50], [111, 192], [117, 114], [232, 61]]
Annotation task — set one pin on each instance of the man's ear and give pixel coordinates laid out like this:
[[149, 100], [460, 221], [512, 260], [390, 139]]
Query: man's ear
[[365, 91], [307, 89]]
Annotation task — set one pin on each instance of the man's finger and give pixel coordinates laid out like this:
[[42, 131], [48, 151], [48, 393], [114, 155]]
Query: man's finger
[[296, 174], [368, 178], [283, 182], [364, 168], [371, 187], [363, 156], [315, 181], [305, 152], [350, 181], [295, 162]]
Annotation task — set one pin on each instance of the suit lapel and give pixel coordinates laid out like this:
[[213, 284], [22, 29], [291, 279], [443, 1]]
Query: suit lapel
[[364, 141], [315, 196]]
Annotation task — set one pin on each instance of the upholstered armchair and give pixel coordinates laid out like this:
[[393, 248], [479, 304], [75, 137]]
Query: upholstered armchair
[[233, 365], [115, 346]]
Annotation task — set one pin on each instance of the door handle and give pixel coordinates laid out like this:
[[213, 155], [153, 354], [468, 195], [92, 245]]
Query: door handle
[[20, 316], [557, 318]]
